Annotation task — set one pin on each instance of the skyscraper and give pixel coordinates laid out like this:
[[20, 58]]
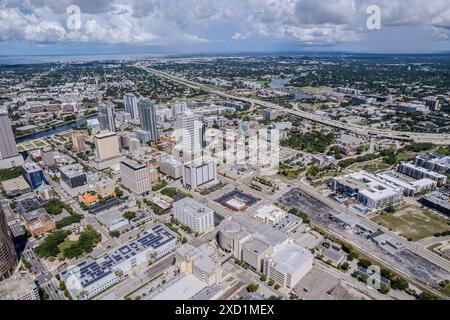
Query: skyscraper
[[130, 103], [189, 135], [147, 117], [8, 258], [177, 109], [106, 117], [9, 156]]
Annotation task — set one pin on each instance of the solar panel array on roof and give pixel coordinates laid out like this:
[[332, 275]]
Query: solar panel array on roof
[[92, 271]]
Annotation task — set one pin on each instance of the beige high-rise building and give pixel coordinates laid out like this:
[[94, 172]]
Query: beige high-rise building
[[107, 150], [138, 177], [78, 144], [106, 145]]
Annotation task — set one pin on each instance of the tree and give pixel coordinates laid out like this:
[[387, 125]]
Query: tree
[[400, 283], [253, 287], [277, 286], [390, 209], [426, 296], [364, 263], [49, 247], [129, 215], [271, 282], [114, 234], [118, 192], [263, 278], [345, 266]]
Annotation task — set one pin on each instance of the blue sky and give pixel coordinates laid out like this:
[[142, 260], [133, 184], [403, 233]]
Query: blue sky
[[42, 27]]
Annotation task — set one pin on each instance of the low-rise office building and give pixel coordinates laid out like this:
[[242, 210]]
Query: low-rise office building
[[201, 261], [34, 175], [73, 180], [171, 168], [271, 214]]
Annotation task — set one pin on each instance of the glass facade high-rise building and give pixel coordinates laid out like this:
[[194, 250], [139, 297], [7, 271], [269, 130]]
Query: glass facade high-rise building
[[106, 117], [147, 117], [130, 103], [8, 257]]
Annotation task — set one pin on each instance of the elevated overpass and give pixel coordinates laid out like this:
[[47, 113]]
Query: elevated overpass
[[437, 139]]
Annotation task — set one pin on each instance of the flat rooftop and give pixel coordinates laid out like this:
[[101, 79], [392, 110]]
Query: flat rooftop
[[94, 270], [290, 257], [183, 288], [237, 195], [242, 224], [193, 207], [133, 165], [15, 184], [73, 170]]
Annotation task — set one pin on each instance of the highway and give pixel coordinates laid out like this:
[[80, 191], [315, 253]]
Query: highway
[[437, 139]]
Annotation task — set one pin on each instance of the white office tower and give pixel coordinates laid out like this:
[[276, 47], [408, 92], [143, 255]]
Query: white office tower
[[177, 109], [106, 117], [9, 155], [196, 175], [147, 117], [130, 102], [194, 215], [188, 135]]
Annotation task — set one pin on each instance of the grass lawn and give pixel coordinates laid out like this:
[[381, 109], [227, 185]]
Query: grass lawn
[[404, 156], [413, 222], [40, 143], [370, 166], [65, 244]]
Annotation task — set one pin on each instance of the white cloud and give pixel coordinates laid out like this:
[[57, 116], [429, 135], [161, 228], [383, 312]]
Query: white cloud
[[238, 36], [201, 21]]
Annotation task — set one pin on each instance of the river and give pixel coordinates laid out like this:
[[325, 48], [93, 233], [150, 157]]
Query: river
[[280, 84], [59, 129]]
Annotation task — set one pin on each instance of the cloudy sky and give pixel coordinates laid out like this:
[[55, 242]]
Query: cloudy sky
[[186, 26]]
